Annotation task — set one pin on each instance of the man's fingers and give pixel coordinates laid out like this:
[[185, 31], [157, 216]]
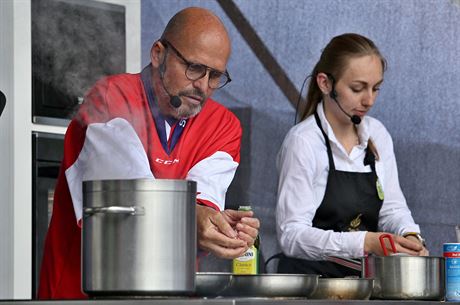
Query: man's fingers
[[247, 238], [222, 225], [233, 216], [251, 221], [223, 252], [215, 237], [247, 229], [222, 245]]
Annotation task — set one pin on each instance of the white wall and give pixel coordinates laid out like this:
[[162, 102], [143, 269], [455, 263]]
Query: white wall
[[15, 139], [6, 144]]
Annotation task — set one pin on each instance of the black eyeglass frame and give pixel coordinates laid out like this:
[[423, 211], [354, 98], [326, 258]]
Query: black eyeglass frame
[[188, 63]]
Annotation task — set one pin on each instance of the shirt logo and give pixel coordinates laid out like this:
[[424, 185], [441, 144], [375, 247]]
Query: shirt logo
[[166, 162]]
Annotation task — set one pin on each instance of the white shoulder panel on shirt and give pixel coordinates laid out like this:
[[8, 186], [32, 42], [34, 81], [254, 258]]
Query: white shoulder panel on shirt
[[213, 176], [111, 150]]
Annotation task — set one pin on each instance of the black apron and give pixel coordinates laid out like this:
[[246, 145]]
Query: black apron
[[350, 203]]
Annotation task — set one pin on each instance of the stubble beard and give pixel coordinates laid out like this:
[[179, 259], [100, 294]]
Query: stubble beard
[[188, 110]]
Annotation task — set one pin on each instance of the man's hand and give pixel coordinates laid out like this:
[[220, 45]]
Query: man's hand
[[246, 225], [216, 235]]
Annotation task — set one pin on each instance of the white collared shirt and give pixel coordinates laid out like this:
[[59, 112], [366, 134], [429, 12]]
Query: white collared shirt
[[303, 170]]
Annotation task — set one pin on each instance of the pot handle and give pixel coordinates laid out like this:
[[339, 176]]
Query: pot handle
[[382, 243], [132, 210]]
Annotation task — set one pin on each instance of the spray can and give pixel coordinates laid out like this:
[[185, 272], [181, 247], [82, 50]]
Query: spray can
[[452, 257], [248, 263]]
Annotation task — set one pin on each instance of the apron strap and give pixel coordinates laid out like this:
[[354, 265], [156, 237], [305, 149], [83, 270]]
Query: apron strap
[[369, 158], [328, 145]]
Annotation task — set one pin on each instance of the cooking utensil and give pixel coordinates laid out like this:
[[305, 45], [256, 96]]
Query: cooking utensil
[[351, 263], [382, 244], [400, 276], [257, 285], [212, 284], [139, 237], [343, 289], [274, 285], [405, 277]]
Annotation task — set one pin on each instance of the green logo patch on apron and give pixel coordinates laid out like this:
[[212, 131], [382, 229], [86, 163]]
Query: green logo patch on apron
[[379, 190]]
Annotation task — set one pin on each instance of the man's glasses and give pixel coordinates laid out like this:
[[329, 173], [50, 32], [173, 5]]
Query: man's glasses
[[196, 71]]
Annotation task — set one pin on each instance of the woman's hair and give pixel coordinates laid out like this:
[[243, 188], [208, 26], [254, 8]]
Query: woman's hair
[[333, 61]]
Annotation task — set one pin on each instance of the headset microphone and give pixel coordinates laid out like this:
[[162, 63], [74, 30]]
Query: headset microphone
[[354, 118], [174, 100], [333, 94]]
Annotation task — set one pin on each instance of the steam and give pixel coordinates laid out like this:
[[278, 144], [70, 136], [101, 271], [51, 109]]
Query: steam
[[75, 43]]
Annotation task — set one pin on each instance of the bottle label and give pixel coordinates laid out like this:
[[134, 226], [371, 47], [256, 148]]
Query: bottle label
[[248, 263], [452, 271]]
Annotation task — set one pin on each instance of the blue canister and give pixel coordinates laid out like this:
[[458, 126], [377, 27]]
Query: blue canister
[[452, 257]]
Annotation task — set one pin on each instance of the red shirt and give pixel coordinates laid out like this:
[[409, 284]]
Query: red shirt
[[214, 130]]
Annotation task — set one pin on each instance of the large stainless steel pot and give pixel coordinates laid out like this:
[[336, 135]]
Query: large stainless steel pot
[[139, 237]]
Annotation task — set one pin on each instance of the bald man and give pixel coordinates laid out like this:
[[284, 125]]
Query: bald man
[[160, 123]]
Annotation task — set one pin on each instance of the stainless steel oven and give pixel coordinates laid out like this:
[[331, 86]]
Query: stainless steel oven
[[47, 152]]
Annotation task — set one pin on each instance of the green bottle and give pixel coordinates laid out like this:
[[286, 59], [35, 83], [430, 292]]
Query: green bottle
[[248, 263]]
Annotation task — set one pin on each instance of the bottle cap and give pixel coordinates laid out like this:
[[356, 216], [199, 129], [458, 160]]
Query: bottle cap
[[245, 208]]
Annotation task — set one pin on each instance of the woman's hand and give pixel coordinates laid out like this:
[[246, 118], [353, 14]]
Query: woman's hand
[[424, 251], [403, 245]]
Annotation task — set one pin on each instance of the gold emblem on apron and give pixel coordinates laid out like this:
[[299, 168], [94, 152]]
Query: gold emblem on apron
[[355, 223]]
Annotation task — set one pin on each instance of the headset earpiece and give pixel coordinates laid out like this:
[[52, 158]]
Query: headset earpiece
[[162, 68], [333, 94]]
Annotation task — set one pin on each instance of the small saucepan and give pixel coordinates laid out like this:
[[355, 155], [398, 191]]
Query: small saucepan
[[405, 277], [399, 276]]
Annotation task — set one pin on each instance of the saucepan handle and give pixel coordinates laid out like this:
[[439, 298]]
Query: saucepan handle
[[382, 243], [132, 210], [347, 262]]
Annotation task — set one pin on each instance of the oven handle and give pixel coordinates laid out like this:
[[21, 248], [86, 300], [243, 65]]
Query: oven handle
[[132, 210]]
